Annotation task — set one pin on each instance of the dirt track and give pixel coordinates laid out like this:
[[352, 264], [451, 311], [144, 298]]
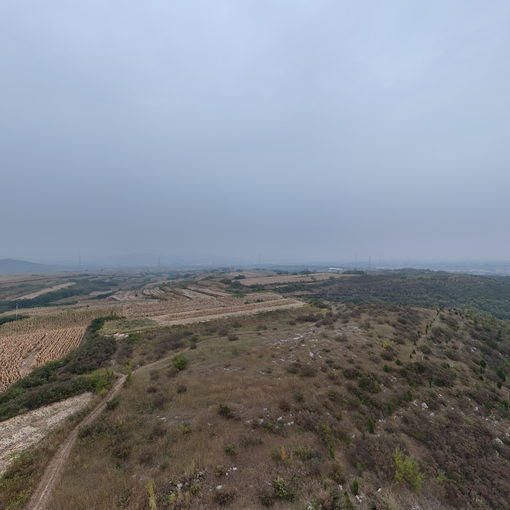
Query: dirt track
[[51, 477], [42, 494]]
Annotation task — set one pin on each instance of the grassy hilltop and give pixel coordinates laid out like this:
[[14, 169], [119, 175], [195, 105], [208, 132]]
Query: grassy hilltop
[[345, 405]]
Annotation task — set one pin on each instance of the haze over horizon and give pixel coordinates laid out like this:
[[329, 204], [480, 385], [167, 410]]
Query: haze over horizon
[[294, 131]]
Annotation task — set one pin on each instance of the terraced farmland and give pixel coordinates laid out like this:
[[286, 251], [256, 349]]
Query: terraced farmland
[[29, 343], [24, 352], [197, 304]]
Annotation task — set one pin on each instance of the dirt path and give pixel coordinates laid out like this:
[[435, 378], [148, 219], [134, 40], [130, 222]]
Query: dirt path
[[51, 477], [42, 494]]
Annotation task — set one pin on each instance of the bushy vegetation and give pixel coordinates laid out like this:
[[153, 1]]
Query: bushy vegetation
[[431, 289], [407, 470], [307, 408], [11, 318], [180, 362]]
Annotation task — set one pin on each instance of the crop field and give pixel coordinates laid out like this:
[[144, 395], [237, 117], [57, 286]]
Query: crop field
[[23, 352], [29, 343], [303, 408], [279, 408], [197, 304]]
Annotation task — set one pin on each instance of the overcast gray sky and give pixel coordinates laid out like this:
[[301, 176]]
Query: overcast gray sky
[[288, 129]]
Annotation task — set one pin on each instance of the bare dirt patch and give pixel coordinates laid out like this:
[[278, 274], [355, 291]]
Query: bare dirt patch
[[24, 431]]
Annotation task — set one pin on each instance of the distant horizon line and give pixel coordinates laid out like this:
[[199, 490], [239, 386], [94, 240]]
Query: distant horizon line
[[218, 262]]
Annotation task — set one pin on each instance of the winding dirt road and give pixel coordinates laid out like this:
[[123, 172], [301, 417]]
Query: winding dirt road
[[42, 494]]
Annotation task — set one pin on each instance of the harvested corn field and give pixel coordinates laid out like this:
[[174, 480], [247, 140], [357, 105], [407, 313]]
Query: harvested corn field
[[177, 300], [196, 303], [222, 313], [22, 353], [29, 343]]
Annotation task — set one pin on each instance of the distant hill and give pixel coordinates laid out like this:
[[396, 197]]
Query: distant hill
[[11, 266]]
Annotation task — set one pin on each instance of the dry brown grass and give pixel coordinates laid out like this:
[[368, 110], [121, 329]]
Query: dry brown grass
[[315, 399], [280, 279]]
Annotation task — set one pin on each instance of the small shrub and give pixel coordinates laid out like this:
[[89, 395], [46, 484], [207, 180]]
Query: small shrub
[[181, 388], [279, 454], [220, 471], [407, 470], [180, 362], [224, 497], [232, 338], [231, 450], [299, 397], [369, 382], [184, 428], [304, 453], [151, 495], [281, 489], [355, 487], [86, 431], [226, 412], [336, 474]]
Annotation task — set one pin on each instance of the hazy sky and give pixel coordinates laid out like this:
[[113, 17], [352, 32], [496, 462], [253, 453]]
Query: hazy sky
[[288, 129]]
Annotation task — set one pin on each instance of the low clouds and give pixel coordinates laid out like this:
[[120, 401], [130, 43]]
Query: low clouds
[[302, 131]]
